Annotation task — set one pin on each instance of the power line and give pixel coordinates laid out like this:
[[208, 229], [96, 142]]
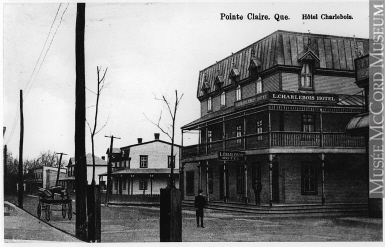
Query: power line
[[37, 62], [41, 52], [53, 37]]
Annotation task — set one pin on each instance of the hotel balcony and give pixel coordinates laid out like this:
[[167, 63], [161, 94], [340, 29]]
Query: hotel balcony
[[276, 139]]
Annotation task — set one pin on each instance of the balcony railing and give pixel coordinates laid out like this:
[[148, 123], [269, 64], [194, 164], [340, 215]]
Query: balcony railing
[[278, 139]]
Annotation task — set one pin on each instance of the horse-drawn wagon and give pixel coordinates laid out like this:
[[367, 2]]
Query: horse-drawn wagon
[[54, 196]]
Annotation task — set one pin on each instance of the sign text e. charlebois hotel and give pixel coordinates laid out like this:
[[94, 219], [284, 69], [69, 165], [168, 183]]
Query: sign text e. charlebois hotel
[[286, 96]]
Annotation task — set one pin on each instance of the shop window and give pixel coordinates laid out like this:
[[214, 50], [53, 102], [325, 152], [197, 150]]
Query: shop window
[[142, 184], [259, 86], [223, 99], [308, 123], [306, 76], [309, 179], [238, 93], [239, 133], [143, 161], [169, 161], [240, 179], [211, 180], [190, 182], [259, 129], [209, 104]]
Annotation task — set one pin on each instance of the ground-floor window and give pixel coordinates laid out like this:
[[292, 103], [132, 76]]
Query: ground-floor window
[[240, 179], [309, 178], [190, 182], [143, 184]]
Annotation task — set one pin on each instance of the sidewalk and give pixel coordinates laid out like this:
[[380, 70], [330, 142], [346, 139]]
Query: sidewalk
[[22, 227]]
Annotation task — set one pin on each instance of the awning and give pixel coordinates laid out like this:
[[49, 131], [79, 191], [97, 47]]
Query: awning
[[359, 125]]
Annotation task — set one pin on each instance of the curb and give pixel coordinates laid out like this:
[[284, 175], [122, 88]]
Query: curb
[[20, 211]]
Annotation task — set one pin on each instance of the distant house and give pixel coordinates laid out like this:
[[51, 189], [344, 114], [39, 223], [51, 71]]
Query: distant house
[[43, 177], [100, 167], [143, 168]]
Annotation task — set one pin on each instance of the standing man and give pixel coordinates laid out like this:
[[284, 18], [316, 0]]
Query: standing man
[[200, 203], [257, 187]]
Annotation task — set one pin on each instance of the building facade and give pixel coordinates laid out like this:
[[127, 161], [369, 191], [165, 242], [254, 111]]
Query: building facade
[[144, 168], [43, 177], [100, 167], [272, 125]]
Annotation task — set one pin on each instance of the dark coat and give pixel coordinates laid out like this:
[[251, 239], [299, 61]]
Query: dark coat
[[200, 202]]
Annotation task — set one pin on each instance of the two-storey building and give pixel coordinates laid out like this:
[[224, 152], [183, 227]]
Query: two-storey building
[[282, 103], [43, 177], [144, 168]]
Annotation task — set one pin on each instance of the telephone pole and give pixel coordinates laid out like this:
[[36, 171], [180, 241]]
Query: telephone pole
[[58, 169], [109, 169], [20, 182], [80, 128]]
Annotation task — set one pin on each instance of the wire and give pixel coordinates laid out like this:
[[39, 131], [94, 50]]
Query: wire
[[49, 33], [53, 37]]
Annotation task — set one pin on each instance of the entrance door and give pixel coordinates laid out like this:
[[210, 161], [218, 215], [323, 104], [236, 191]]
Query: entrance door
[[221, 182], [275, 182], [120, 186]]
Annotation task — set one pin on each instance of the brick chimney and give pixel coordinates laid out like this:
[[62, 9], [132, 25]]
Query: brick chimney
[[139, 140], [156, 135]]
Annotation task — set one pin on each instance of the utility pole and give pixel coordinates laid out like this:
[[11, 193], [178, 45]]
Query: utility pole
[[58, 169], [109, 169], [80, 128], [20, 182]]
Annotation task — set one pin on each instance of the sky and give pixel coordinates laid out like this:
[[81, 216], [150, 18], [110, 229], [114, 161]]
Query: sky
[[150, 50]]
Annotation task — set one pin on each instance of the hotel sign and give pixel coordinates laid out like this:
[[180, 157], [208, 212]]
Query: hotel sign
[[233, 156], [329, 98], [286, 96]]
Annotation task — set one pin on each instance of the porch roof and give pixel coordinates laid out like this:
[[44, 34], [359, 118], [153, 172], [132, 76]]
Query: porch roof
[[141, 171], [358, 125]]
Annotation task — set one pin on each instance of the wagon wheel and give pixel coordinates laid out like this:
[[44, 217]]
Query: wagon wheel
[[48, 213], [70, 210], [39, 210], [64, 210]]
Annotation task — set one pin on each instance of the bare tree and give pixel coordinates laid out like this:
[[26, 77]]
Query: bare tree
[[93, 131], [170, 128]]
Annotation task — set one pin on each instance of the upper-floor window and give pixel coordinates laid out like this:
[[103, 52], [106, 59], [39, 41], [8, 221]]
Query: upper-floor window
[[306, 76], [143, 161], [209, 104], [308, 123], [169, 161], [223, 98], [259, 129], [259, 86], [238, 93], [239, 133]]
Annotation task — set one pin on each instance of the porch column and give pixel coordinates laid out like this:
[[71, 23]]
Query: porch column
[[271, 178], [223, 134], [224, 182], [132, 184], [323, 177], [151, 175], [269, 115], [207, 181], [200, 176], [245, 185], [321, 131]]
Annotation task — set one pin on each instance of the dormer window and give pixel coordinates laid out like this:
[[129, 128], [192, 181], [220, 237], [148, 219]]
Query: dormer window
[[234, 74], [223, 98], [238, 93], [219, 82], [307, 75], [209, 104], [258, 86], [308, 60]]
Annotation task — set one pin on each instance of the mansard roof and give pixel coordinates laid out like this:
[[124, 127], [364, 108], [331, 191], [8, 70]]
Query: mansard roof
[[285, 48]]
